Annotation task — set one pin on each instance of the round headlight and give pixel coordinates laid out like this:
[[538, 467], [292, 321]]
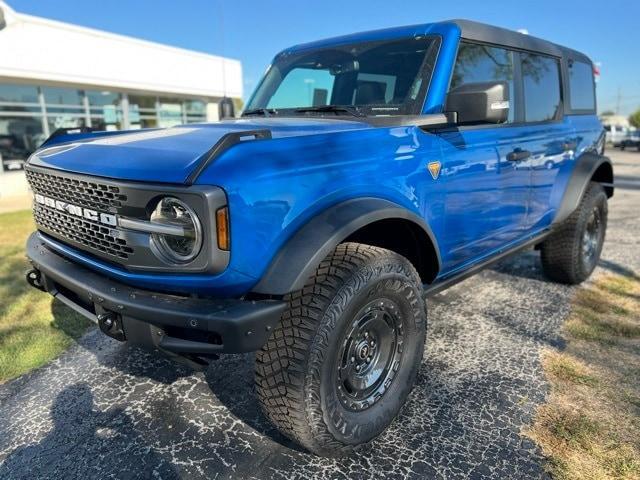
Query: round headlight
[[182, 245]]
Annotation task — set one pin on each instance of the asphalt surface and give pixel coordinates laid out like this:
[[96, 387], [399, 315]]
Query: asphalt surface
[[103, 410]]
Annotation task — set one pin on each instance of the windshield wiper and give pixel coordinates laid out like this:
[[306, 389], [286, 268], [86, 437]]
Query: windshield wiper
[[337, 109], [265, 112]]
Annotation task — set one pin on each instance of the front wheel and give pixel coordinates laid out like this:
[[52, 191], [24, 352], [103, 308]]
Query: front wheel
[[339, 366], [571, 253]]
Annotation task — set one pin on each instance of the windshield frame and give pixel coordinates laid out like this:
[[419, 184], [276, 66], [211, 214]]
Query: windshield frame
[[425, 71]]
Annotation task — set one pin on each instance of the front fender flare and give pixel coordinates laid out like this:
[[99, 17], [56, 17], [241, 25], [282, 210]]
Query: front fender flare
[[302, 253]]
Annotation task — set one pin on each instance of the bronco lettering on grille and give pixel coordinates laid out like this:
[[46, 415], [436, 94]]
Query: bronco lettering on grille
[[78, 211]]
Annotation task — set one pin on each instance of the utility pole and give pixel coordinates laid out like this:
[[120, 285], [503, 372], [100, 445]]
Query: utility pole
[[618, 100]]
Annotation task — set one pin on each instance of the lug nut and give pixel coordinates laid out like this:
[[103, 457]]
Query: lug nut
[[357, 368], [353, 359]]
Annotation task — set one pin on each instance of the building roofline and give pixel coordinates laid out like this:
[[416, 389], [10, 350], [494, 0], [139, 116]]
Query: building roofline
[[17, 17]]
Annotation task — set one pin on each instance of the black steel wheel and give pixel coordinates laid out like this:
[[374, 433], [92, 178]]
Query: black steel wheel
[[592, 239], [370, 355]]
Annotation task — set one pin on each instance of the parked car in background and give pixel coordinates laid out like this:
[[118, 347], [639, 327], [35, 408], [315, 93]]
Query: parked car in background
[[367, 172], [616, 134], [632, 140], [10, 165]]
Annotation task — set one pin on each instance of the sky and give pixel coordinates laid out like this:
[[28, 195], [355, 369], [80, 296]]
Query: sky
[[253, 31]]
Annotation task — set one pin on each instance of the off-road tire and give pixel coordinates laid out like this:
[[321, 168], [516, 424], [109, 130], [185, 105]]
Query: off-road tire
[[563, 254], [297, 380]]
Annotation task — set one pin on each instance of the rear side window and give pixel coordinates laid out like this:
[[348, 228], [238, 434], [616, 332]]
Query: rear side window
[[481, 63], [541, 79], [581, 92]]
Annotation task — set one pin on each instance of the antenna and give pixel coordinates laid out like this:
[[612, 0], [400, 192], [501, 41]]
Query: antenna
[[226, 104]]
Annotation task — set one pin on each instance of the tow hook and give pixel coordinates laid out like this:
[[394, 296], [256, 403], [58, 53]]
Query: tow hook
[[111, 325], [34, 278]]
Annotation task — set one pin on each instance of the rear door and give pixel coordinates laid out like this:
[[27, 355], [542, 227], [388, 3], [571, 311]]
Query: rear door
[[548, 135], [487, 197]]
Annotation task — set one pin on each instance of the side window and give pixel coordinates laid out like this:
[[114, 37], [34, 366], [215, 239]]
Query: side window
[[581, 92], [481, 63], [541, 79]]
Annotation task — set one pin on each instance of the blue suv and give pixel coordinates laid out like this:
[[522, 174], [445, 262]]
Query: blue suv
[[366, 173]]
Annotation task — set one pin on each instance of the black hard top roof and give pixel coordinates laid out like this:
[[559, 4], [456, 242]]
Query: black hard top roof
[[482, 32]]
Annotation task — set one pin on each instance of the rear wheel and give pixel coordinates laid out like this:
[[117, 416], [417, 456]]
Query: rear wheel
[[571, 253], [343, 359]]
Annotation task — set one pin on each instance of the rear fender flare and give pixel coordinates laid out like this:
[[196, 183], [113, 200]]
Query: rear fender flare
[[586, 167]]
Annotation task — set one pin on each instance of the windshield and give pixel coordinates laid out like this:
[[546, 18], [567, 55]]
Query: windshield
[[368, 78]]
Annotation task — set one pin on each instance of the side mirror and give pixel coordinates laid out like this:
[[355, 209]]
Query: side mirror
[[483, 102]]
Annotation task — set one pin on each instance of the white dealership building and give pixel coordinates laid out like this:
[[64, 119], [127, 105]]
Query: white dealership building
[[56, 75]]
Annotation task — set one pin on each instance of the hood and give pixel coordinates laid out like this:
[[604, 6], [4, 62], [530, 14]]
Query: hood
[[166, 155]]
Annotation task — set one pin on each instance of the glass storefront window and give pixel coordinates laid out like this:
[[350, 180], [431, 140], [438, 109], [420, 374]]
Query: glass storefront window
[[19, 98], [142, 111], [18, 93], [169, 112], [68, 107], [106, 110], [62, 96], [195, 107], [195, 111], [65, 121], [19, 137], [65, 107]]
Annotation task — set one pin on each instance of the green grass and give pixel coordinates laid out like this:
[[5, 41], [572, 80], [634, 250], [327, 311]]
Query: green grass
[[590, 426], [33, 327]]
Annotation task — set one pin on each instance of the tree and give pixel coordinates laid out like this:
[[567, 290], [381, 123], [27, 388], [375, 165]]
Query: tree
[[634, 118], [608, 113]]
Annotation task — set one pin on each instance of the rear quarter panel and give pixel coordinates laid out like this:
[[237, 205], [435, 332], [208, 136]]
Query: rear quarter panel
[[586, 131]]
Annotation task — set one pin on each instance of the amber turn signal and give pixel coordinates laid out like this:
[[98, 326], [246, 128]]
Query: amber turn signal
[[222, 227]]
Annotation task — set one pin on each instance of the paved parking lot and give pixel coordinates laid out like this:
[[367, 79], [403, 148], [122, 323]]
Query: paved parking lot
[[104, 410]]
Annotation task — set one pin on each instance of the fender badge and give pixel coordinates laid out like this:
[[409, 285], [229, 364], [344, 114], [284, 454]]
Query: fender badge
[[434, 169]]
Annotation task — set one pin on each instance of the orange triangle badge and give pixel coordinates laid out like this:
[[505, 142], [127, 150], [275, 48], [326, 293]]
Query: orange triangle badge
[[434, 169]]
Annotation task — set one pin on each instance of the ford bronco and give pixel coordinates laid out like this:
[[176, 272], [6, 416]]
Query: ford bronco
[[366, 173]]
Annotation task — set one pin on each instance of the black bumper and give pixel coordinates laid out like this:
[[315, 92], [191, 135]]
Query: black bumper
[[175, 324]]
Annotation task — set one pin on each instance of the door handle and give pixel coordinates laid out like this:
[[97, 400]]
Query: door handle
[[518, 155], [567, 146]]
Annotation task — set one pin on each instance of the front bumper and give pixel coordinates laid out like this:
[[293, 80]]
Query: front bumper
[[175, 324]]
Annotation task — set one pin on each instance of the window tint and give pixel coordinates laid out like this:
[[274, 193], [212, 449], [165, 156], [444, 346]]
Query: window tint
[[541, 78], [581, 86], [480, 63]]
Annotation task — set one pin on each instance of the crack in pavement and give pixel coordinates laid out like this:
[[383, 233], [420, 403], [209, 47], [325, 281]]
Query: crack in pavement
[[105, 410]]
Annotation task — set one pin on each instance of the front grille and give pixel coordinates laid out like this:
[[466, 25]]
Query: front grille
[[89, 234], [88, 194], [77, 230]]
